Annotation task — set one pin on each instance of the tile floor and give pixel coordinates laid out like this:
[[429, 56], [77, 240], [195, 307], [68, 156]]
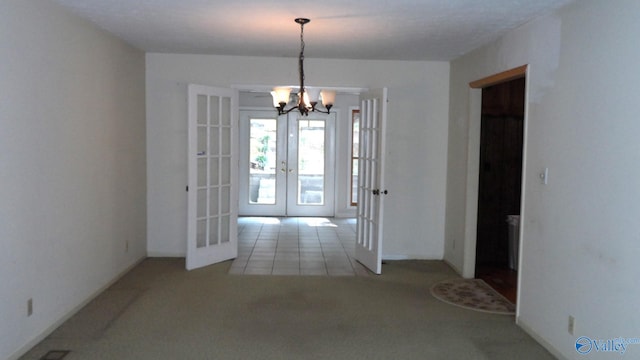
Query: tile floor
[[296, 246]]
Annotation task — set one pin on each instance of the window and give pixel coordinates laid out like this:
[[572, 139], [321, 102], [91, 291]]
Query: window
[[355, 143]]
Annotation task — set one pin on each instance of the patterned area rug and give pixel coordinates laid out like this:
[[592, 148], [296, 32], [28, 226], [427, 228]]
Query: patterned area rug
[[472, 294]]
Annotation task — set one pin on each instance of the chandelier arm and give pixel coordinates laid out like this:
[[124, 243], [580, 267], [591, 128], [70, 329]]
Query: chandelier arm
[[289, 110]]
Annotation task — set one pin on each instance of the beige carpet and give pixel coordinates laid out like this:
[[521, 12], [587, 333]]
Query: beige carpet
[[473, 294], [161, 311]]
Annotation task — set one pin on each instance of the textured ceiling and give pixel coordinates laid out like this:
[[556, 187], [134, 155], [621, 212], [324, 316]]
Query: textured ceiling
[[343, 29]]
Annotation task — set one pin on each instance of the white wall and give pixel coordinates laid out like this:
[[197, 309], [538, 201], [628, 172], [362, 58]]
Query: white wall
[[72, 166], [416, 170], [580, 236]]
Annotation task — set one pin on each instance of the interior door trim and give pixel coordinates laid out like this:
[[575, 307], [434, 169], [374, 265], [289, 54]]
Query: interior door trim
[[511, 74]]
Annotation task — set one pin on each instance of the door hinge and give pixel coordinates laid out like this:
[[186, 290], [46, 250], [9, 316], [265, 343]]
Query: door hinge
[[187, 188]]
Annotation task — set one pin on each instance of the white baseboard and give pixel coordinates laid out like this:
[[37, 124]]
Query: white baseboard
[[159, 254], [395, 257], [35, 341]]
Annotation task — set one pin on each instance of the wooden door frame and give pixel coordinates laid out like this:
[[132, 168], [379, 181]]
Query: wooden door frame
[[473, 162]]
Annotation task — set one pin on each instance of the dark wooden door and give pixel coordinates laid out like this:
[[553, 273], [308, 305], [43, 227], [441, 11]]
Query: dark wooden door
[[500, 169]]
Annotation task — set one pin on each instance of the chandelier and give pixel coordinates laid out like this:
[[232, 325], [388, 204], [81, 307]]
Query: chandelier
[[307, 98]]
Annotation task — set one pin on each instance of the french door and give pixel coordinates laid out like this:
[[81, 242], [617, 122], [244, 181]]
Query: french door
[[371, 190], [287, 164], [212, 217]]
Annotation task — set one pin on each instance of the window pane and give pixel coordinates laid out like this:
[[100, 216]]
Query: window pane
[[202, 203], [202, 109], [215, 141], [225, 200], [354, 182], [225, 176], [213, 201], [201, 236], [355, 153], [311, 135], [355, 132], [202, 145], [215, 172], [213, 231], [224, 229], [202, 172], [215, 110], [225, 141], [262, 161], [226, 111]]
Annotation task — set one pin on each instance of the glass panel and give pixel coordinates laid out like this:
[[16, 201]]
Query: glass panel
[[225, 141], [311, 162], [215, 172], [355, 132], [262, 161], [202, 141], [370, 135], [226, 111], [354, 181], [374, 144], [213, 231], [373, 167], [213, 201], [262, 189], [202, 109], [202, 203], [224, 229], [215, 110], [215, 141], [374, 114], [225, 169], [201, 236], [225, 200], [365, 175], [202, 172], [355, 140]]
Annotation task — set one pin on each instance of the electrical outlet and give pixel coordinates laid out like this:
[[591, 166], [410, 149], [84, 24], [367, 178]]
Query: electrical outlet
[[572, 324], [29, 307]]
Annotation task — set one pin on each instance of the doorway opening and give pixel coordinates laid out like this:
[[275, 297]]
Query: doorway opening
[[500, 185], [287, 164]]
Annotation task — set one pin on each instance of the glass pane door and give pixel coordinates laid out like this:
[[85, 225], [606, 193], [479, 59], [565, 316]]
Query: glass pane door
[[311, 157], [286, 164], [212, 179], [263, 154]]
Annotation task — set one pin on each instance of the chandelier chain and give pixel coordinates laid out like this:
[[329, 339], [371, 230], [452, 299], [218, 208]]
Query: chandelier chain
[[301, 58]]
